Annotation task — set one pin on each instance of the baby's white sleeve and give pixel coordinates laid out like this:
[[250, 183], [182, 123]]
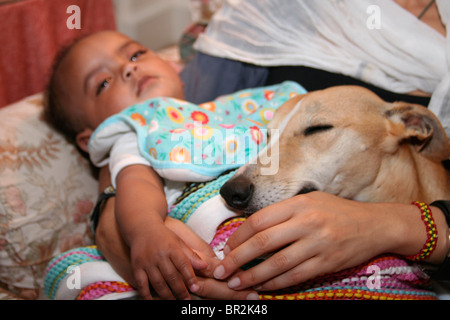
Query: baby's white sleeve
[[125, 152]]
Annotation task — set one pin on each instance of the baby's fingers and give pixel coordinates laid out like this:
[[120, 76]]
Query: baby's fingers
[[184, 265], [142, 285], [166, 281]]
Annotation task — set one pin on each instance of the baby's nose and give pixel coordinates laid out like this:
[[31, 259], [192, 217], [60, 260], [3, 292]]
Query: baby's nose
[[129, 70]]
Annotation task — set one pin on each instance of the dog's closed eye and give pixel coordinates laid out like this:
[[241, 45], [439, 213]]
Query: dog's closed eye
[[316, 129]]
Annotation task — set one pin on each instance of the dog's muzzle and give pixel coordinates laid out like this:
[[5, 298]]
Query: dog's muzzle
[[239, 191]]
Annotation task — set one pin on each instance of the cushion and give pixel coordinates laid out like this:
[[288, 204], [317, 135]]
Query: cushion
[[47, 192]]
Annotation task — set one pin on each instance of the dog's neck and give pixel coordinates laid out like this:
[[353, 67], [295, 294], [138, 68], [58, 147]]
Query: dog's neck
[[408, 177]]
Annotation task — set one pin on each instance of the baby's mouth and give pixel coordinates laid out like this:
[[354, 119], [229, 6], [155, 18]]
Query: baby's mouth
[[144, 83]]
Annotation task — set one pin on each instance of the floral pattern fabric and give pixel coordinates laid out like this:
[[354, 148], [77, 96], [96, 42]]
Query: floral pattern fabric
[[47, 192], [206, 139]]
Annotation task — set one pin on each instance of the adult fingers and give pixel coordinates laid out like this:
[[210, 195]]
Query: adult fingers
[[259, 221], [206, 248], [277, 264], [282, 270], [196, 261], [213, 289], [211, 262], [264, 242], [301, 273]]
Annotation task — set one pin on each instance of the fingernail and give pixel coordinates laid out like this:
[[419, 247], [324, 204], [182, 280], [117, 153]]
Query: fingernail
[[194, 288], [226, 250], [234, 283], [253, 296], [219, 272]]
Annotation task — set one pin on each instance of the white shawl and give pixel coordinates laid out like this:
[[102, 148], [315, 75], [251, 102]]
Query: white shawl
[[376, 41]]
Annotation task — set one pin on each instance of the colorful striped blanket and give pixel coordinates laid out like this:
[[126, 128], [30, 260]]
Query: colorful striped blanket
[[84, 274]]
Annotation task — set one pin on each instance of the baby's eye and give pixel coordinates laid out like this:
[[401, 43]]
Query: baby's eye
[[103, 85], [137, 54]]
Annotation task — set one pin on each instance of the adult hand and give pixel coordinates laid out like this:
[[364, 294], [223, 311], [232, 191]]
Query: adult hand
[[210, 288], [311, 235]]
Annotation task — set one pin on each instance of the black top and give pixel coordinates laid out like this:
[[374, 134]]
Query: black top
[[314, 79]]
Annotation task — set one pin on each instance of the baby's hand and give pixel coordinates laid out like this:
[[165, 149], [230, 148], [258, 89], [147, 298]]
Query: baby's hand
[[162, 258]]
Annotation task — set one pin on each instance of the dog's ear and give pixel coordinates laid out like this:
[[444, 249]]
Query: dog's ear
[[418, 126]]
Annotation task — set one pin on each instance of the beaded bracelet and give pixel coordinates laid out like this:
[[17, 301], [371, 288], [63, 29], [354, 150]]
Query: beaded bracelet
[[432, 234]]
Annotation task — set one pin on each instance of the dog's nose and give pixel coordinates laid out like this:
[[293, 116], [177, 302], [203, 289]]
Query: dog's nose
[[237, 192]]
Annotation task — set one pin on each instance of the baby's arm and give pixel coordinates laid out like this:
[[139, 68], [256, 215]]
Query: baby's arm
[[157, 254]]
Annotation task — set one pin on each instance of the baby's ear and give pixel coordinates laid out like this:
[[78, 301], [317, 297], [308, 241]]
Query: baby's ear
[[82, 139]]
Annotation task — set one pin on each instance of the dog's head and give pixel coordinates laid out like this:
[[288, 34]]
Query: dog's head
[[343, 140]]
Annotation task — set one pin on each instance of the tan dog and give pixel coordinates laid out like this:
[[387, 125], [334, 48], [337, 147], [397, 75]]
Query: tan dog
[[348, 142]]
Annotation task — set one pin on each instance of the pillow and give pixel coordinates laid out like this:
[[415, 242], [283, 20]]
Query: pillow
[[47, 192]]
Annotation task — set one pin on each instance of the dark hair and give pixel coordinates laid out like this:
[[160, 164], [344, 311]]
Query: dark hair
[[56, 112]]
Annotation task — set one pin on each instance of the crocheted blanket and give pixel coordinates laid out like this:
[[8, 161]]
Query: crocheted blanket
[[382, 278], [84, 274]]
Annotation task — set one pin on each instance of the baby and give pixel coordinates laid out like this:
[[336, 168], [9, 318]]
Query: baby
[[100, 76]]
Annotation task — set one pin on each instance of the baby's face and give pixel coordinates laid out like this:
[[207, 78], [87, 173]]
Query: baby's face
[[107, 72]]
